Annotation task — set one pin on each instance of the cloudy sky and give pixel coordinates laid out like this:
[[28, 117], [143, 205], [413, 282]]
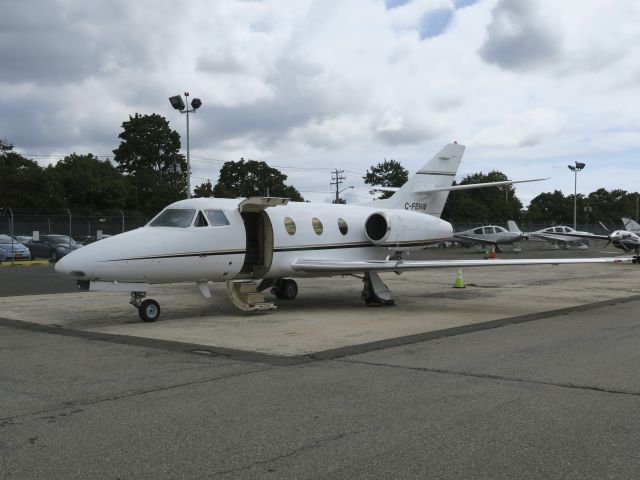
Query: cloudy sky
[[310, 85]]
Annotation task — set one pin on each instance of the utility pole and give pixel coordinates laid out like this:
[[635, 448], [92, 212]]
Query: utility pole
[[337, 178]]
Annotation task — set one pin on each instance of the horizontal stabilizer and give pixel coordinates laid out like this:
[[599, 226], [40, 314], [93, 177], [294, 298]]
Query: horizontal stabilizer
[[479, 185]]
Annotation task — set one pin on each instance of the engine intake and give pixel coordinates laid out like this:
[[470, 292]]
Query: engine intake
[[404, 230], [377, 227]]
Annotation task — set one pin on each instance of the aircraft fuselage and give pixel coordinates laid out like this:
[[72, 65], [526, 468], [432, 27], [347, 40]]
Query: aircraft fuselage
[[257, 243]]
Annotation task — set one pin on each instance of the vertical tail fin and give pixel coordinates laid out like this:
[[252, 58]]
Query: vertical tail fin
[[513, 226], [631, 225], [437, 173]]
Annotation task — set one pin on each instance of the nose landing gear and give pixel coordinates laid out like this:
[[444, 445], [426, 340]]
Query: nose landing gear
[[148, 310]]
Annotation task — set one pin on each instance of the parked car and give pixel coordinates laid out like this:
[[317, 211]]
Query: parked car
[[12, 249], [23, 239], [91, 239], [53, 247]]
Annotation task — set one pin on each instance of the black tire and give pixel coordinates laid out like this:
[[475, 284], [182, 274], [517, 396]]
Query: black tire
[[287, 289], [54, 255], [149, 310]]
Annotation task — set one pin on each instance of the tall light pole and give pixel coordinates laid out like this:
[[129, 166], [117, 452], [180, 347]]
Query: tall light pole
[[575, 169], [178, 104]]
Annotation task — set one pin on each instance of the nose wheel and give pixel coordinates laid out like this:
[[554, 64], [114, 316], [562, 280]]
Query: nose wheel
[[148, 310]]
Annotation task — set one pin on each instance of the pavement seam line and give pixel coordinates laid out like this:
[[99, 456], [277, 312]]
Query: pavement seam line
[[490, 376], [292, 453], [134, 394]]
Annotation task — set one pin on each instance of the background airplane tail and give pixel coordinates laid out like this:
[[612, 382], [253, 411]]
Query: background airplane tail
[[418, 193], [513, 226], [631, 225]]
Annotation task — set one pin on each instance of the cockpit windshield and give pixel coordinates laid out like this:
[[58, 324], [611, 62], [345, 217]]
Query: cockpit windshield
[[174, 217]]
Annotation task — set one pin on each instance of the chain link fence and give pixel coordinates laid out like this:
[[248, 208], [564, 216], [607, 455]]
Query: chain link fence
[[76, 225], [82, 225]]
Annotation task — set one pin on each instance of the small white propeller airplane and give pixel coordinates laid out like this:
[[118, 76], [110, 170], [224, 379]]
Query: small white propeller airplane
[[626, 240], [254, 244], [489, 235], [560, 235]]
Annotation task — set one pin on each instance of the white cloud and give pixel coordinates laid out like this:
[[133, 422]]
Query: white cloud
[[527, 86]]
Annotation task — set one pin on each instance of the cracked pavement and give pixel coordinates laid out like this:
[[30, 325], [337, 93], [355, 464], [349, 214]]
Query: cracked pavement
[[556, 397]]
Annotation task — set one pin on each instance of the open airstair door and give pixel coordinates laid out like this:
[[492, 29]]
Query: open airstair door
[[259, 235]]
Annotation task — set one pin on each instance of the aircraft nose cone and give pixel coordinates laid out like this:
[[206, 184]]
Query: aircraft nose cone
[[73, 266]]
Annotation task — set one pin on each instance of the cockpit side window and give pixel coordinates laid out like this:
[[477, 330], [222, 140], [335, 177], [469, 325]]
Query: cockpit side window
[[200, 220], [174, 217], [216, 217]]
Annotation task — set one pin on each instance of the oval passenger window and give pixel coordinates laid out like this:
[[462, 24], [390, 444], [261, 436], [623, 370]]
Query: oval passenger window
[[342, 225], [290, 225]]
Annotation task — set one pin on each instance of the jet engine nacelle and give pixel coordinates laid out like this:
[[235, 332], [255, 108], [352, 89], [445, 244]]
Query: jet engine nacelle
[[403, 230]]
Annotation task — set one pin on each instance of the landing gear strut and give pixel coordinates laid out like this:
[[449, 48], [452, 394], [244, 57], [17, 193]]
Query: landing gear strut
[[148, 310], [375, 292], [285, 289]]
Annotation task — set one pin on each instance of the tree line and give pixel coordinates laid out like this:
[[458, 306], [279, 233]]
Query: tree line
[[499, 204], [148, 172]]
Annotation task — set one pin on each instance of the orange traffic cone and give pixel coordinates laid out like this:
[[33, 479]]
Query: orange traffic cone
[[493, 253]]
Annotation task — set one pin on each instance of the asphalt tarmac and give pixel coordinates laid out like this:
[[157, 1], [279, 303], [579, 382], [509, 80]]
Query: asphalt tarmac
[[551, 396]]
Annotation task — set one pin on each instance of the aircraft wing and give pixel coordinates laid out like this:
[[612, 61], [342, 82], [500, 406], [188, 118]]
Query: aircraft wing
[[557, 237], [589, 236], [344, 267], [473, 239]]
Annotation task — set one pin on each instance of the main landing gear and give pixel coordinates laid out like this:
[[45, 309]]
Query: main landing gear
[[285, 289], [282, 288], [375, 293], [148, 310]]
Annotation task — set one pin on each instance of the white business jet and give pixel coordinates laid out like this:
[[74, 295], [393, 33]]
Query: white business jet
[[259, 243]]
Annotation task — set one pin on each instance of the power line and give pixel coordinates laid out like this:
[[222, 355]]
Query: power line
[[284, 167], [200, 159]]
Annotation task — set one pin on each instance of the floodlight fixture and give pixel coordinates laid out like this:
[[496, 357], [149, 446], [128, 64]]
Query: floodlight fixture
[[575, 168], [176, 102], [179, 104]]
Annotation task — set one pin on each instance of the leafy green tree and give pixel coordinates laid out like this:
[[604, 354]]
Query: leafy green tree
[[487, 205], [5, 146], [608, 206], [204, 190], [247, 178], [149, 154], [89, 184], [389, 173], [551, 208], [24, 185]]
